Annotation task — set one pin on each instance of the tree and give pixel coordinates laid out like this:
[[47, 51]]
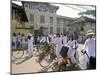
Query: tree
[[89, 13]]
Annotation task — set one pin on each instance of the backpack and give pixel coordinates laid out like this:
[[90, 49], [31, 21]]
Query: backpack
[[64, 51]]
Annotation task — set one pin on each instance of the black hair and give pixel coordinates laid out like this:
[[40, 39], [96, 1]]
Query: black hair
[[58, 35], [18, 33], [14, 34], [64, 34], [29, 37], [22, 34]]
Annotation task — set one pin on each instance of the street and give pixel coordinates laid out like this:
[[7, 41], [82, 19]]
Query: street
[[30, 65]]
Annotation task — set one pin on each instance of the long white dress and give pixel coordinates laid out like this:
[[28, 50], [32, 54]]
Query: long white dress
[[30, 47], [23, 42], [58, 42], [70, 45], [64, 39], [75, 58]]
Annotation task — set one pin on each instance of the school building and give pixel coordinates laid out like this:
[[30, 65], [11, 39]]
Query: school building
[[37, 17]]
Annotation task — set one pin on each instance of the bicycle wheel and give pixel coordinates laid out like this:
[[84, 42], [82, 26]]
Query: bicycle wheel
[[45, 62], [17, 53]]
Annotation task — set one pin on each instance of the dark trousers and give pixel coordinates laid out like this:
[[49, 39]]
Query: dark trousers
[[92, 63]]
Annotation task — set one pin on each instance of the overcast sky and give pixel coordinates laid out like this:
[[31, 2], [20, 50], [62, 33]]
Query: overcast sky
[[67, 10]]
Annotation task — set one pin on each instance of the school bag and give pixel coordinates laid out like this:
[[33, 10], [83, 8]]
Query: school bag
[[64, 51]]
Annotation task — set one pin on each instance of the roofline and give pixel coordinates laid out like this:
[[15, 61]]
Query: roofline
[[66, 17], [86, 19], [18, 6], [57, 7]]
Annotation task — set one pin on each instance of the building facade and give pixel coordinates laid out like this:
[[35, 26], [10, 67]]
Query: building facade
[[41, 18], [82, 24], [43, 15], [19, 21]]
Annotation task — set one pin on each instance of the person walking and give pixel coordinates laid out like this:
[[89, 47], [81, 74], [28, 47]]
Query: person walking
[[23, 41], [64, 39], [30, 45], [58, 42], [19, 41], [14, 39], [89, 48], [70, 46], [75, 54]]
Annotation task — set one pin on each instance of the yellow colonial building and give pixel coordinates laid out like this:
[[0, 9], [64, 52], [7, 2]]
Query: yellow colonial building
[[38, 16], [42, 18]]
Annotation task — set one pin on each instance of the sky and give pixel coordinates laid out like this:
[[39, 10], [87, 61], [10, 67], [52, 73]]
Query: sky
[[67, 10]]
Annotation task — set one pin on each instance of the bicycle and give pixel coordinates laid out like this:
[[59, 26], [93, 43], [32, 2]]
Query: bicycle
[[46, 55], [18, 52]]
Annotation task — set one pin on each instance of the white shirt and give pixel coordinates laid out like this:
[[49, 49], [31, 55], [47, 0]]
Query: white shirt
[[44, 39], [30, 41], [14, 39], [19, 38], [23, 39], [70, 43], [90, 46], [58, 41], [64, 39], [75, 44]]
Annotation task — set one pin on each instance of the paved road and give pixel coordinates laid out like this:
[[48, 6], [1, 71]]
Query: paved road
[[30, 65]]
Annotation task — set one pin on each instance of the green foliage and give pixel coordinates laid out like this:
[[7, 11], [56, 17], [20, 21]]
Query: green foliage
[[89, 13]]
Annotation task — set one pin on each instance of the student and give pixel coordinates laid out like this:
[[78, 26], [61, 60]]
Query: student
[[58, 42], [70, 45], [90, 49], [44, 39], [23, 41], [64, 39], [75, 54], [19, 40], [14, 39], [30, 45]]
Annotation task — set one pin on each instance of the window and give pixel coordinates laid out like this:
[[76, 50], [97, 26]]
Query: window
[[42, 19], [51, 20], [58, 21], [25, 5], [58, 30], [30, 6], [64, 30], [31, 18], [64, 21], [82, 29], [51, 30]]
